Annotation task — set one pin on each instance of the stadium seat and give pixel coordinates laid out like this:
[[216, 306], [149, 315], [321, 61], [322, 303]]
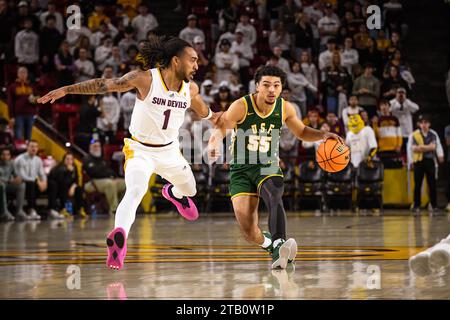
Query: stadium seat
[[311, 184], [339, 187], [369, 187]]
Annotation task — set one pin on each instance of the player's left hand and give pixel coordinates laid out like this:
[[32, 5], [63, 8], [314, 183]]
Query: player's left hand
[[329, 135]]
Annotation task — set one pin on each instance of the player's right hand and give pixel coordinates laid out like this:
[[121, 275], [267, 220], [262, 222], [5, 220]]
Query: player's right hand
[[52, 96]]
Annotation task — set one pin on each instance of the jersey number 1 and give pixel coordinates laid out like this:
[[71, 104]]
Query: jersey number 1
[[166, 118]]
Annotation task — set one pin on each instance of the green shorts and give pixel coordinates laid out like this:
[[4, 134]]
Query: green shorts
[[246, 179]]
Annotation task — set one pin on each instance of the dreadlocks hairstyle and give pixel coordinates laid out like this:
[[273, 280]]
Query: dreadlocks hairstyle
[[271, 71], [159, 51]]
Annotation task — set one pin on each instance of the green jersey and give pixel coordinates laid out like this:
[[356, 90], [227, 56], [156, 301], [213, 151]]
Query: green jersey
[[255, 139]]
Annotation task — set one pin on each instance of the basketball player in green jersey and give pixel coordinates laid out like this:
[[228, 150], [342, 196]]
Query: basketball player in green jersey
[[257, 120]]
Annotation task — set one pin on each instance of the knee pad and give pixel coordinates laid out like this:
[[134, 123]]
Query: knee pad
[[272, 189]]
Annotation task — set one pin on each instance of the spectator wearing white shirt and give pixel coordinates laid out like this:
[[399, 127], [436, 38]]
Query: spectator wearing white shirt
[[103, 53], [144, 22], [403, 109], [352, 109], [309, 69], [288, 141], [361, 140], [27, 46], [206, 91], [315, 14], [280, 38], [328, 25], [245, 54], [281, 62], [127, 104], [106, 29], [326, 57], [247, 28], [191, 31], [115, 61], [349, 56], [85, 69], [298, 83], [225, 61], [51, 9]]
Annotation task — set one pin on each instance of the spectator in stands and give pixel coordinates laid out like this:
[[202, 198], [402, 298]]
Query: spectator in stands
[[279, 37], [372, 55], [51, 10], [27, 47], [206, 91], [11, 184], [85, 69], [203, 61], [313, 119], [249, 31], [191, 31], [382, 41], [109, 104], [394, 45], [337, 83], [335, 124], [229, 17], [298, 84], [115, 61], [73, 36], [388, 132], [50, 40], [328, 25], [286, 15], [237, 89], [367, 88], [120, 17], [103, 178], [29, 167], [103, 53], [97, 17], [282, 63], [309, 69], [447, 142], [25, 14], [225, 61], [83, 43], [350, 24], [403, 108], [105, 30], [393, 13], [361, 140], [65, 65], [144, 22], [63, 187], [353, 108], [130, 7], [22, 96], [6, 138], [391, 84], [127, 41], [314, 14], [349, 56], [326, 56], [89, 112], [422, 147], [361, 38], [303, 34], [222, 99], [127, 102]]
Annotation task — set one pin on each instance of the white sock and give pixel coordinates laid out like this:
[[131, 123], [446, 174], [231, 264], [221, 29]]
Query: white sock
[[267, 242], [177, 193]]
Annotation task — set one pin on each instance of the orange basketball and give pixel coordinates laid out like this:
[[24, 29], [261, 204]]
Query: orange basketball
[[332, 156]]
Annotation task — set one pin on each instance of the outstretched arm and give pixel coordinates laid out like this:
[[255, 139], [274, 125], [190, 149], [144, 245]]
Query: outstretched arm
[[303, 132], [96, 86]]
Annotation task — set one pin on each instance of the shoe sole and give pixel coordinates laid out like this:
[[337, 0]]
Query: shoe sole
[[420, 264], [287, 251], [440, 255], [116, 249]]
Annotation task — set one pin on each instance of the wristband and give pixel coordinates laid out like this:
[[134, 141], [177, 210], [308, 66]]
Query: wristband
[[210, 114]]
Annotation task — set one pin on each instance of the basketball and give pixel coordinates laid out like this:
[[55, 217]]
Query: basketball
[[332, 156]]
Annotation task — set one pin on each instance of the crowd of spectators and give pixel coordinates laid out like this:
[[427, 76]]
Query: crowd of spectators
[[336, 69]]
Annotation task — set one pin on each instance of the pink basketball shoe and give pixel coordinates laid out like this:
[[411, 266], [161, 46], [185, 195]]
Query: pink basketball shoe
[[186, 207], [117, 248]]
